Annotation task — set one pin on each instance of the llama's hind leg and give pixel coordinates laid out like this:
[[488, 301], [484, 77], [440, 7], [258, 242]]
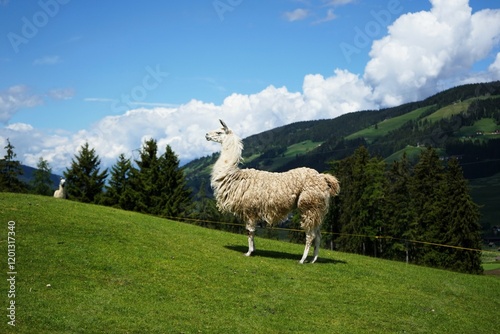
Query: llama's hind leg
[[317, 243], [251, 243]]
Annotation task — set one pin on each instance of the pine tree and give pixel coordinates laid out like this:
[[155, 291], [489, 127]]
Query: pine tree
[[462, 220], [400, 215], [428, 201], [172, 189], [10, 170], [145, 179], [119, 189], [42, 184], [361, 202], [159, 183], [85, 180]]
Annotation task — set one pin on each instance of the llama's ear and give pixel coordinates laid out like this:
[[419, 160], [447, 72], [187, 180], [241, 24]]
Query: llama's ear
[[224, 125]]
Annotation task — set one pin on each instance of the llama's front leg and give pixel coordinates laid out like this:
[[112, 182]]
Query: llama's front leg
[[251, 244], [309, 240], [317, 243]]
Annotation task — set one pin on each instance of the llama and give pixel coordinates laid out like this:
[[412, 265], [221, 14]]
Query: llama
[[61, 192], [255, 195]]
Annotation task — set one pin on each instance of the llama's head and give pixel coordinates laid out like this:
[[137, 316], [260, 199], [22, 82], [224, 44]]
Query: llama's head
[[62, 183], [219, 135]]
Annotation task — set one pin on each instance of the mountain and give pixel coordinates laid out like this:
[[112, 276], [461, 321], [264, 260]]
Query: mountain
[[463, 121], [28, 177]]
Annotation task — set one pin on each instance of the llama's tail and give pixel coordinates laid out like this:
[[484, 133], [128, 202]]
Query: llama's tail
[[333, 183]]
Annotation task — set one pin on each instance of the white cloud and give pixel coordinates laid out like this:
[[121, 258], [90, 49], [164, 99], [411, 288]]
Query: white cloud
[[184, 127], [494, 68], [426, 49], [296, 15], [20, 127], [15, 98]]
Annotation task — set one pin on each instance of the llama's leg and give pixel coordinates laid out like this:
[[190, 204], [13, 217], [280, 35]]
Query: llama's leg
[[309, 240], [251, 243], [317, 243]]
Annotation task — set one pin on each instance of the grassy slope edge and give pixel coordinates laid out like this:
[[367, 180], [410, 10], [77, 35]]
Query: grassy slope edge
[[113, 271]]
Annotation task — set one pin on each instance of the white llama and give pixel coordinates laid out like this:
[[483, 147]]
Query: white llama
[[256, 195], [61, 192]]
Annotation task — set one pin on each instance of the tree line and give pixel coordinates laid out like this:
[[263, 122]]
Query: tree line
[[401, 212], [151, 184], [383, 211]]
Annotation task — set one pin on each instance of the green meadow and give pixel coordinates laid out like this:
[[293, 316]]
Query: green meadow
[[383, 128], [83, 268]]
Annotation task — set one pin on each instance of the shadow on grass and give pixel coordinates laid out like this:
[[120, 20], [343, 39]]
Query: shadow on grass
[[280, 255]]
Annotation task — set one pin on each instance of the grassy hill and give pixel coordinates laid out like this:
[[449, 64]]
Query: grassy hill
[[387, 125], [89, 269]]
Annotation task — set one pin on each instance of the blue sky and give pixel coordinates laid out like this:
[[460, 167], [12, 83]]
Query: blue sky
[[116, 73]]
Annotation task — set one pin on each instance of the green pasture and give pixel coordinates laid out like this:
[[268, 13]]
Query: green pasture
[[383, 128], [83, 268]]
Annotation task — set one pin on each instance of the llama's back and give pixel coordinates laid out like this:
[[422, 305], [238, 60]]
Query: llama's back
[[260, 195]]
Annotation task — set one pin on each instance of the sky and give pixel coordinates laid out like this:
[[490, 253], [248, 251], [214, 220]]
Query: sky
[[115, 74]]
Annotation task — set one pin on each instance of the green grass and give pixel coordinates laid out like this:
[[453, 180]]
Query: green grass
[[485, 125], [450, 110], [455, 108], [383, 128], [412, 152], [113, 271], [491, 266], [301, 148], [290, 154]]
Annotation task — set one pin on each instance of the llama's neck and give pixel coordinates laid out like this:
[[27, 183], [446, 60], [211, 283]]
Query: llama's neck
[[230, 157]]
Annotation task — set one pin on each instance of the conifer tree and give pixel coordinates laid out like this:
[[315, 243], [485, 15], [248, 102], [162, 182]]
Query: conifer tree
[[173, 192], [145, 179], [119, 188], [428, 201], [42, 184], [462, 221], [84, 177], [361, 202], [159, 182], [400, 215], [10, 170]]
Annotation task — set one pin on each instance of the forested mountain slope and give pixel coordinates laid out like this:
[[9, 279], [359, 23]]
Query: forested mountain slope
[[459, 121]]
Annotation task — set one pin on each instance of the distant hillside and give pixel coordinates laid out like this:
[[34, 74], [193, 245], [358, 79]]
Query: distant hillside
[[27, 176]]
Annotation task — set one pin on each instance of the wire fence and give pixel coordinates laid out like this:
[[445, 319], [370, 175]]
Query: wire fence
[[378, 237]]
